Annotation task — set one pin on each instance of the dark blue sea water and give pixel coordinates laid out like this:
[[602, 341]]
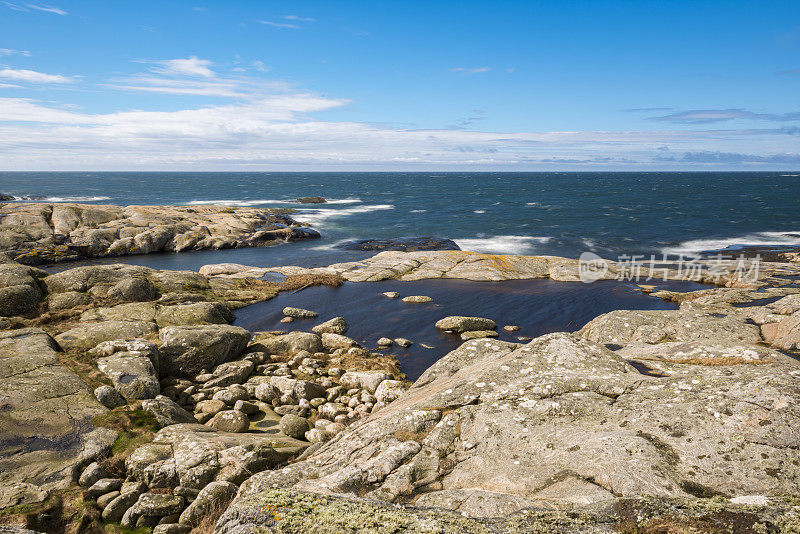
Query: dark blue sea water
[[515, 213]]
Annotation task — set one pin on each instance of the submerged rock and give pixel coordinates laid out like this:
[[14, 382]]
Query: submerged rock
[[408, 244], [460, 324], [298, 313], [417, 299]]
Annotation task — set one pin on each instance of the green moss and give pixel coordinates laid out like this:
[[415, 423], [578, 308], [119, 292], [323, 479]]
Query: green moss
[[135, 426], [294, 512]]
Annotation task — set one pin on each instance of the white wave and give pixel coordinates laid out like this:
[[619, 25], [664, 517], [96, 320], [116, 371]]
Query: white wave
[[695, 246], [502, 244], [588, 243], [344, 201], [790, 174], [75, 199], [418, 211], [258, 202], [234, 202], [317, 216], [479, 211]]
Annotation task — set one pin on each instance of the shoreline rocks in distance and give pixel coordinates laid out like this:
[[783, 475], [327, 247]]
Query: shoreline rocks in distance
[[44, 233], [403, 244], [310, 200]]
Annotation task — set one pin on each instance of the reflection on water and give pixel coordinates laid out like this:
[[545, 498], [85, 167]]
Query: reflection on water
[[537, 306]]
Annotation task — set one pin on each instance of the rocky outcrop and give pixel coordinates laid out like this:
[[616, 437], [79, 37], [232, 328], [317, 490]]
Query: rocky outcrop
[[20, 289], [464, 265], [193, 455], [46, 411], [493, 428], [407, 244], [40, 233], [284, 510]]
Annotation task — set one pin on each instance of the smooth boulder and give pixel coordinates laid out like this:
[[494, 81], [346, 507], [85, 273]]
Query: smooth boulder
[[189, 349]]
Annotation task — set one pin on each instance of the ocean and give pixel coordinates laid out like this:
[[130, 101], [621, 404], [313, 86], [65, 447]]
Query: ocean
[[612, 214], [565, 214]]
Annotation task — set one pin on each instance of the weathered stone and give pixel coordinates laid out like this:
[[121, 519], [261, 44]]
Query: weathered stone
[[132, 311], [114, 510], [103, 486], [189, 349], [191, 455], [194, 314], [337, 325], [231, 395], [299, 313], [93, 472], [89, 335], [294, 426], [210, 406], [336, 341], [389, 390], [417, 299], [68, 300], [403, 342], [103, 500], [459, 324], [489, 429], [167, 412], [158, 504], [657, 326], [138, 289], [384, 342], [133, 375], [109, 397], [292, 342], [20, 299], [369, 380], [229, 421], [83, 231], [300, 389], [45, 419], [477, 334], [214, 497], [172, 528]]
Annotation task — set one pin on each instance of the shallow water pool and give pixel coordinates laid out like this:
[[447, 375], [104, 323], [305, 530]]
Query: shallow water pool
[[538, 307]]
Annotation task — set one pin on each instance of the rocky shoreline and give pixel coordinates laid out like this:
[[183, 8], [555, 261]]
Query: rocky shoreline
[[42, 233], [128, 401]]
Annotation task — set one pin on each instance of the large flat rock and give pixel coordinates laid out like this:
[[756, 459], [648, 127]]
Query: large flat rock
[[45, 419], [494, 428]]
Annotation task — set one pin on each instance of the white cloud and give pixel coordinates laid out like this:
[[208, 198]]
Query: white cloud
[[301, 19], [31, 76], [279, 132], [47, 9], [464, 71], [12, 52], [192, 66], [35, 7], [279, 24]]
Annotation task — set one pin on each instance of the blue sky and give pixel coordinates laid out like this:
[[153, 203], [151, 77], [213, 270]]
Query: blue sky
[[268, 85]]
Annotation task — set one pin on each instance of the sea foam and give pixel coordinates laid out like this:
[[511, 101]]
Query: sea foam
[[502, 244], [696, 246]]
